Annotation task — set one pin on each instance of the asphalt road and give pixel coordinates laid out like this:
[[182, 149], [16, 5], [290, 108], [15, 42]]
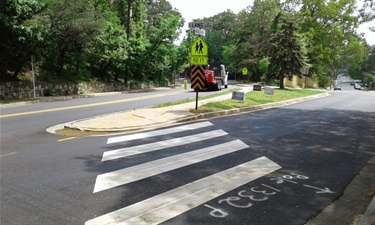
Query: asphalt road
[[288, 164], [26, 121]]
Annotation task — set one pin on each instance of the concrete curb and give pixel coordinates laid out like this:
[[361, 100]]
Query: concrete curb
[[70, 125], [369, 216], [251, 108]]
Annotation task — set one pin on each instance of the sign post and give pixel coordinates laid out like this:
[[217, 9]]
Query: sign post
[[33, 74], [198, 59]]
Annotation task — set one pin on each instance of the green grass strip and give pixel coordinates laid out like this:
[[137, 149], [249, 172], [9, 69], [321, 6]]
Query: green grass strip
[[255, 98], [193, 99]]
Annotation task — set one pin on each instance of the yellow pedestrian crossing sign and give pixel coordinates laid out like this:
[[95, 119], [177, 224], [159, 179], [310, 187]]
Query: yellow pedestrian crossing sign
[[199, 48], [244, 71]]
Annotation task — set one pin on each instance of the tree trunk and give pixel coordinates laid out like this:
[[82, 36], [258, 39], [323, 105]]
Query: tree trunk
[[16, 72], [282, 82], [60, 62], [126, 76]]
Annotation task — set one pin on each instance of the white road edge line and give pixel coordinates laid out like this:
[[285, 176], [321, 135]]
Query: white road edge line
[[139, 149], [158, 132], [167, 205], [127, 175]]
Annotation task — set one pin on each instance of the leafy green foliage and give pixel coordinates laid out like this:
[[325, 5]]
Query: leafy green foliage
[[368, 68], [73, 25], [108, 51], [220, 36], [20, 34], [102, 40], [252, 32], [327, 27], [286, 51], [263, 65], [91, 39]]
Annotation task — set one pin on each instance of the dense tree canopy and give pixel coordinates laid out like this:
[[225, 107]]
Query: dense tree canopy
[[253, 30], [19, 34], [133, 41], [91, 39], [328, 26]]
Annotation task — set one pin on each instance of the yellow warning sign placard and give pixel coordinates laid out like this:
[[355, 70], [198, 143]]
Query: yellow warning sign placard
[[199, 60], [199, 48]]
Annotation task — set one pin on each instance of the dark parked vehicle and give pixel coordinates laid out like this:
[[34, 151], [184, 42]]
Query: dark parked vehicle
[[337, 87]]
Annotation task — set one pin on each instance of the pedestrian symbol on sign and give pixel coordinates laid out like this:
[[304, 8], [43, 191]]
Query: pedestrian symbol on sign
[[199, 47]]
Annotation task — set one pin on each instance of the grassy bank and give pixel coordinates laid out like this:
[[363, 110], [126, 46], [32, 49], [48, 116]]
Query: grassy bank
[[255, 98]]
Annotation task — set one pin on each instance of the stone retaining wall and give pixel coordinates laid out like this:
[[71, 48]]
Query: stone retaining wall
[[22, 89]]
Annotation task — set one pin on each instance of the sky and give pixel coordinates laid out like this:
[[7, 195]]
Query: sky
[[194, 9]]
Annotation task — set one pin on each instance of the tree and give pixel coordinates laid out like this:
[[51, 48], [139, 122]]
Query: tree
[[327, 27], [107, 53], [160, 55], [263, 65], [220, 35], [286, 51], [354, 58], [368, 68], [254, 27], [73, 24], [20, 35], [152, 29], [228, 60]]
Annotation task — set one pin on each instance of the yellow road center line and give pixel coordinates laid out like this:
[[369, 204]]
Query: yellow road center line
[[8, 154], [87, 105], [67, 139]]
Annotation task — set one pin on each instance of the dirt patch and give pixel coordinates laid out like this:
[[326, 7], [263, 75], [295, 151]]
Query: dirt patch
[[78, 133]]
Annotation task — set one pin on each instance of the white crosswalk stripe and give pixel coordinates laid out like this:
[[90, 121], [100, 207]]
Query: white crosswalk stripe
[[124, 152], [172, 203], [127, 175], [156, 133]]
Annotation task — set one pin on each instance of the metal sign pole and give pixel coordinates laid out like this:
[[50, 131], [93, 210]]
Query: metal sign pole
[[32, 73], [196, 99]]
